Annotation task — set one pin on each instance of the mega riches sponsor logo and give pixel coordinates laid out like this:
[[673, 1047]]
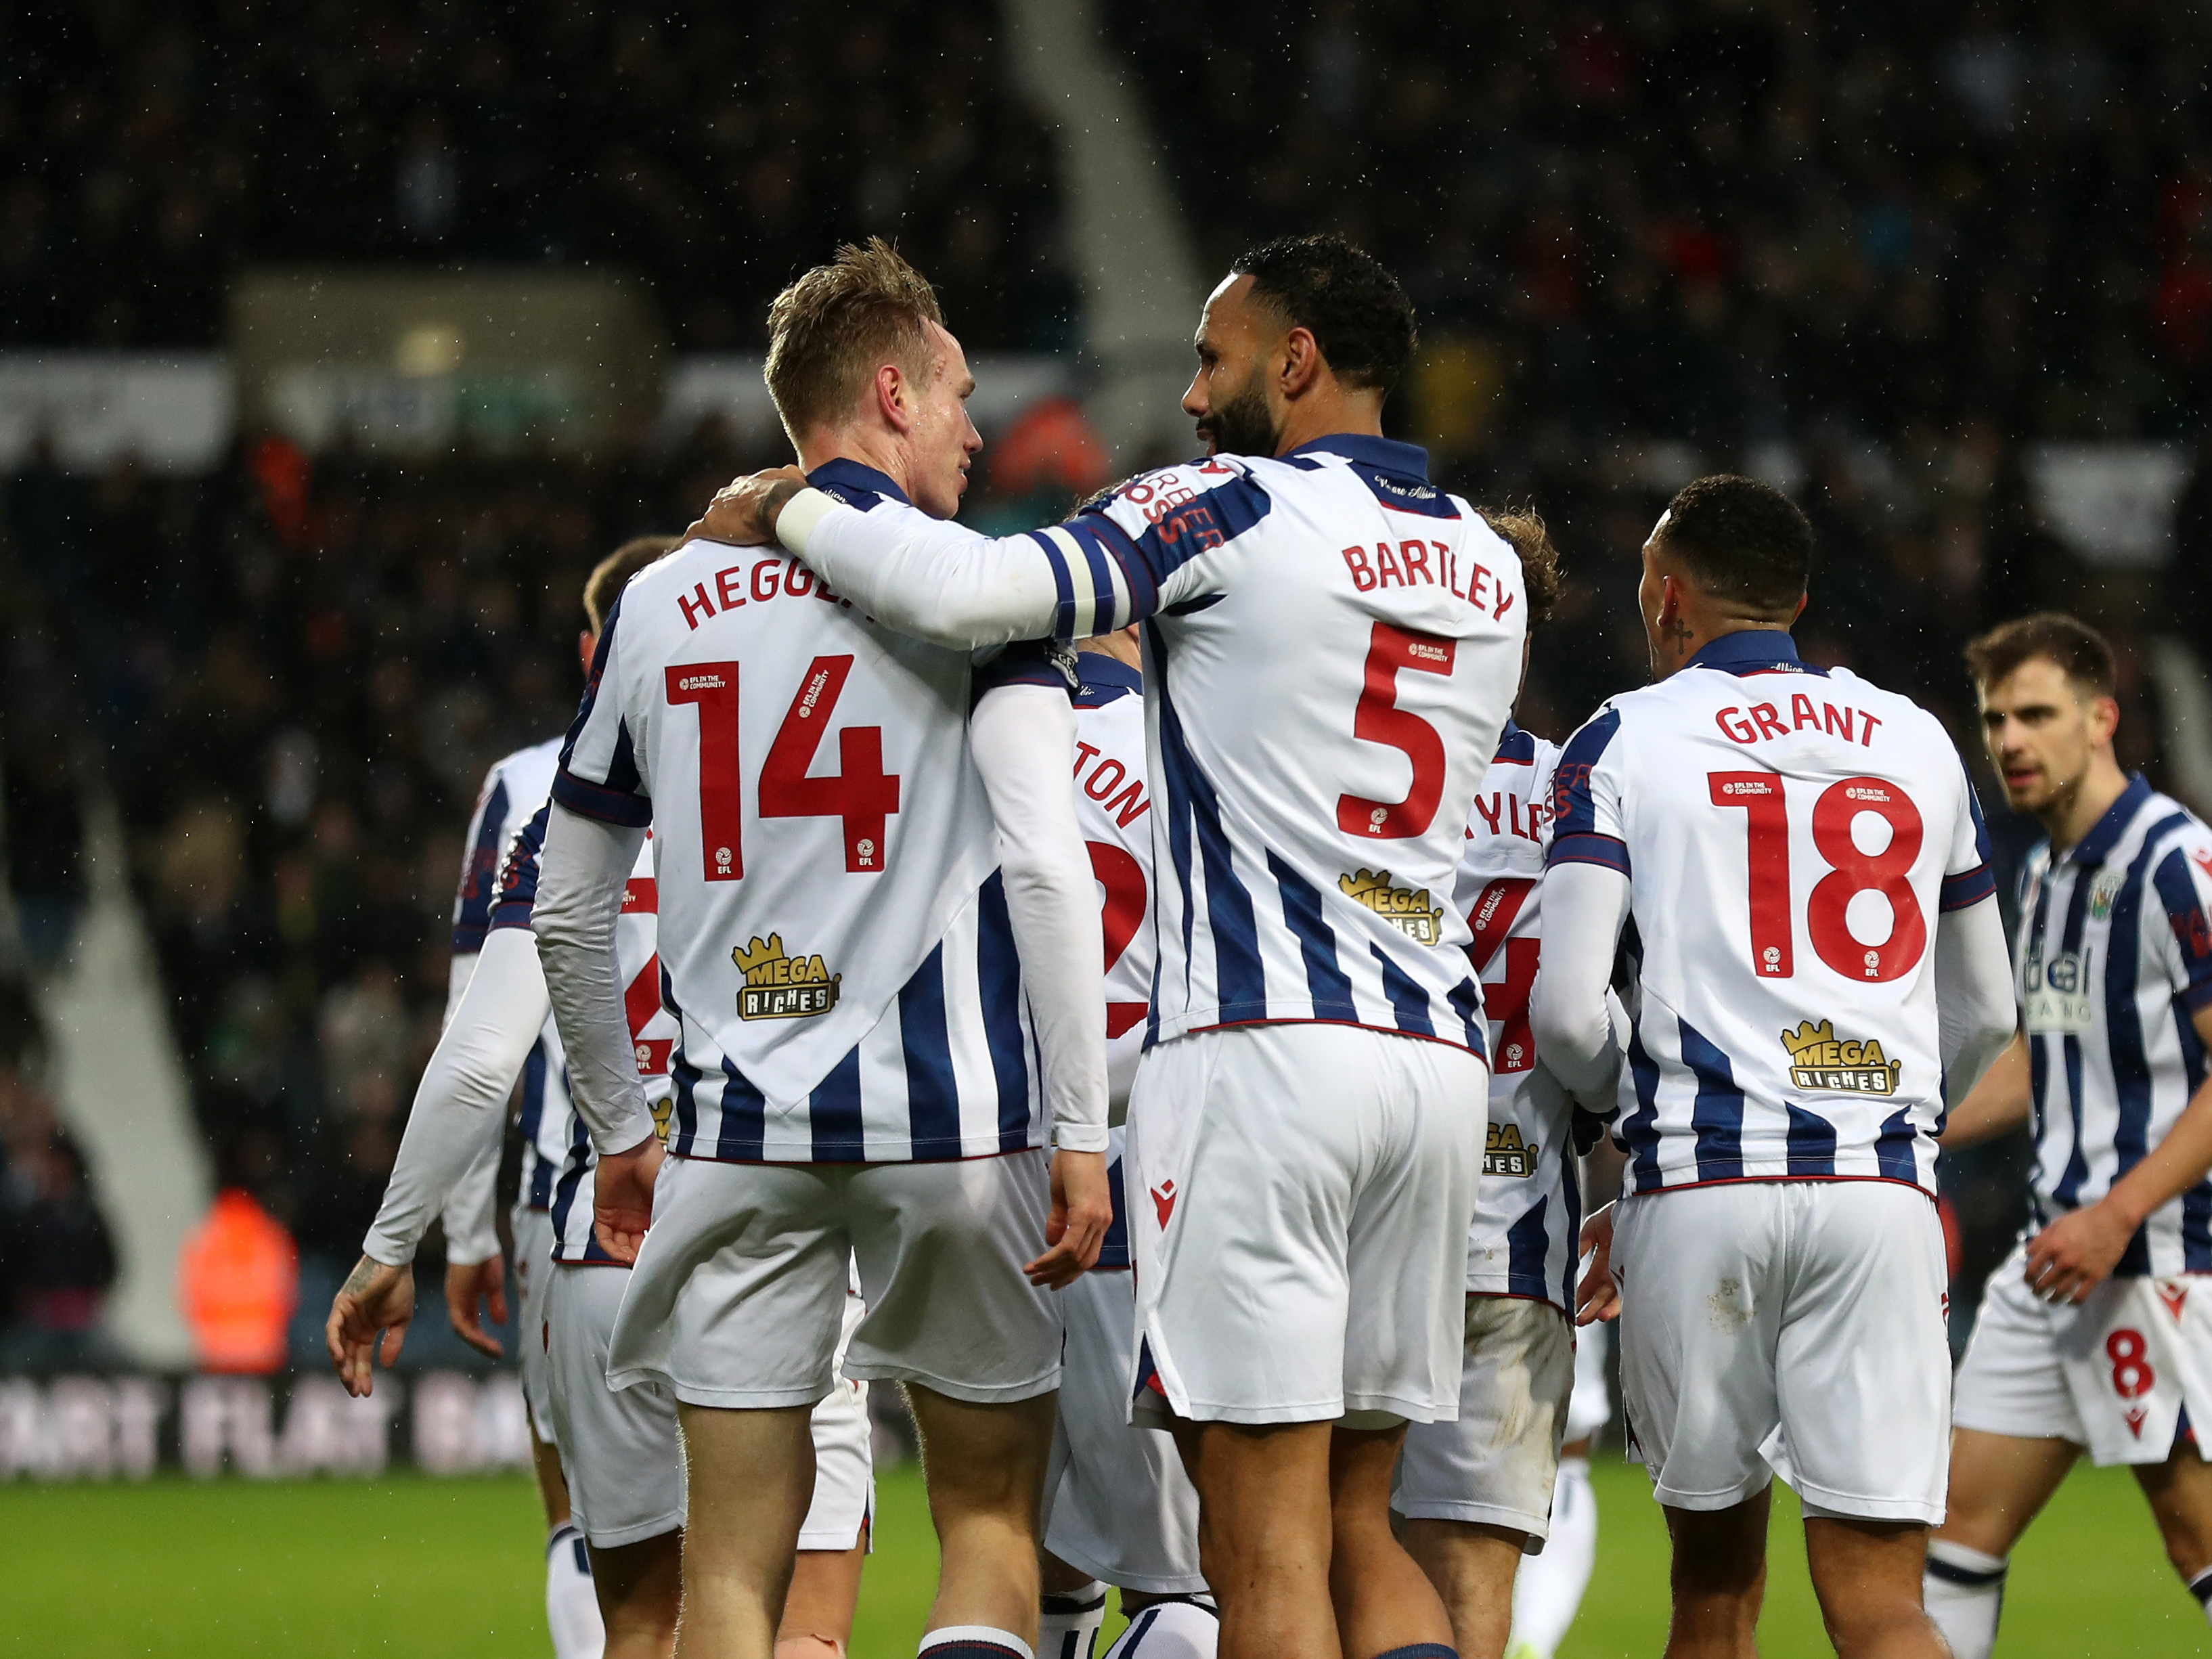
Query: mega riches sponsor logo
[[1406, 908], [778, 986], [1820, 1059], [1505, 1153]]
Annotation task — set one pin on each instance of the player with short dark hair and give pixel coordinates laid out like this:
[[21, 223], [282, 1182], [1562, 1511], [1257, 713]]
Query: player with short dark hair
[[1817, 958], [2095, 1332], [1331, 644]]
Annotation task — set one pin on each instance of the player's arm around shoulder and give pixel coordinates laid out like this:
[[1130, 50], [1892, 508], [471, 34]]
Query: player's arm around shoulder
[[1023, 737]]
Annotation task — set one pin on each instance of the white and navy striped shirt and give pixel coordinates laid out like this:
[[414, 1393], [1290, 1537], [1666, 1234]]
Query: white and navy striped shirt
[[515, 789], [833, 928], [1332, 645], [652, 1029], [1528, 1204], [1791, 836], [2114, 960]]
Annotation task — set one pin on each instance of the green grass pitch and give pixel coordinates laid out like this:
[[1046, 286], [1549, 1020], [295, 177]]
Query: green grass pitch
[[427, 1568]]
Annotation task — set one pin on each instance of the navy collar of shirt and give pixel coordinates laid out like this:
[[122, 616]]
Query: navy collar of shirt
[[856, 475], [1747, 649], [1383, 454], [2092, 847], [1096, 668]]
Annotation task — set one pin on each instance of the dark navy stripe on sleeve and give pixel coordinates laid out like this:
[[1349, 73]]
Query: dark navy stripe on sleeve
[[1220, 514], [2185, 914], [593, 800], [1967, 888], [480, 875], [1116, 544], [1589, 849], [1572, 810], [1063, 584], [518, 888]]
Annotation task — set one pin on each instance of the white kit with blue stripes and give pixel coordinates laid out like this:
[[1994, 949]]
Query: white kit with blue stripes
[[652, 1029], [513, 790], [832, 931], [1112, 807], [1332, 645], [1529, 1208], [1790, 835], [2113, 959]]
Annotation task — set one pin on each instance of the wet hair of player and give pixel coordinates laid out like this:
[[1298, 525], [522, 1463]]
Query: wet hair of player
[[837, 323], [612, 574], [2082, 654], [1745, 545], [1524, 532], [1341, 295]]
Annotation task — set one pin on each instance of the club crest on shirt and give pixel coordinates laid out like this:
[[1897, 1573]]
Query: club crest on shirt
[[2103, 890], [1406, 908], [1819, 1060], [1504, 1153], [782, 987]]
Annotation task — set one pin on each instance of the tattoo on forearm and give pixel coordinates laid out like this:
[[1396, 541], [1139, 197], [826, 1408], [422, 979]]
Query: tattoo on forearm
[[778, 494], [358, 1281]]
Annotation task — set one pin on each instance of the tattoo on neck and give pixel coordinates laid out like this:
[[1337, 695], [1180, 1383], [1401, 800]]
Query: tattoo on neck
[[1679, 631]]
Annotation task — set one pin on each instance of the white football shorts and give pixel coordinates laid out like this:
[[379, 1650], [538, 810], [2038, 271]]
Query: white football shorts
[[624, 1452], [1497, 1464], [1789, 1327], [1590, 1408], [1117, 1505], [533, 1275], [739, 1293], [2114, 1374], [1299, 1200]]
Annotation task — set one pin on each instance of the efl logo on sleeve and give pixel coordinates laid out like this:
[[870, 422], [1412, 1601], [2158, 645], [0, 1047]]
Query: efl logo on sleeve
[[782, 987]]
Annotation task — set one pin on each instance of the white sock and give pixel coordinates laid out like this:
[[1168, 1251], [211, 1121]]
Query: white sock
[[1963, 1590], [1548, 1591], [572, 1605], [975, 1642], [1170, 1630], [2201, 1588], [1068, 1622]]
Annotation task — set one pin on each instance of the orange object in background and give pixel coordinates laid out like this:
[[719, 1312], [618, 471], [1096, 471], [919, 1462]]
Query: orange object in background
[[1051, 444], [238, 1280]]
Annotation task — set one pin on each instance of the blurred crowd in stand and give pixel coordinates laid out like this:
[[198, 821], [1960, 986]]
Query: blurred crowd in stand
[[1869, 249], [147, 150], [1873, 252]]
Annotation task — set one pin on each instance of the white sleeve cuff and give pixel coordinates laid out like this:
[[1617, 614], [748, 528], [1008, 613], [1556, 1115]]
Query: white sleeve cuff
[[795, 523]]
